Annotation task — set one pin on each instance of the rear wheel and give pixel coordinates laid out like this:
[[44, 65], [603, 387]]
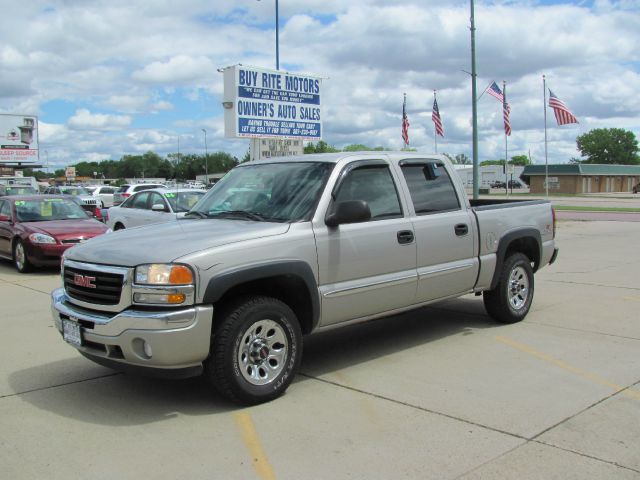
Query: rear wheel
[[118, 226], [20, 260], [256, 350], [511, 300]]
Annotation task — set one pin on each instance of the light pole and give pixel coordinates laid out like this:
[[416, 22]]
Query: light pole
[[206, 157], [474, 106], [277, 39]]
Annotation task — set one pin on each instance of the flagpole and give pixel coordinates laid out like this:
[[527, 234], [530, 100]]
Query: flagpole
[[504, 109], [435, 130], [474, 106], [546, 158]]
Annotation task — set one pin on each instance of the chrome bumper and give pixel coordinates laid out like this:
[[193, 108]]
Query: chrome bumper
[[158, 339]]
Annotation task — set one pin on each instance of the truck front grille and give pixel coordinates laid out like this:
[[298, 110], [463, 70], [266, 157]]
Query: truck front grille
[[95, 287]]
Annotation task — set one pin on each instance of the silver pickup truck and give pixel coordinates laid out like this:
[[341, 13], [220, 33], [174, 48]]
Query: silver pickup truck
[[285, 248]]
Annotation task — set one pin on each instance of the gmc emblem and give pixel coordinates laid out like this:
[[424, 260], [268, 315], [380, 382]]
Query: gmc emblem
[[84, 281]]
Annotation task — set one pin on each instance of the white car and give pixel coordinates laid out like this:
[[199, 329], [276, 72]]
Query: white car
[[126, 190], [153, 206], [104, 192]]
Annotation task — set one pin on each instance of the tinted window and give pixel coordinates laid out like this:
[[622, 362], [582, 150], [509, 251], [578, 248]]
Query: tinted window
[[430, 193], [374, 185], [5, 209], [139, 188], [139, 201], [107, 190], [123, 188]]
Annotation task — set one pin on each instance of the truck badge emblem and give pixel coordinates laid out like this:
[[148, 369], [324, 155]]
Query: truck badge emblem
[[84, 281]]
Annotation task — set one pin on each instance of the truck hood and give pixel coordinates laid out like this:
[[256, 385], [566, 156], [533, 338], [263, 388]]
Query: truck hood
[[166, 242]]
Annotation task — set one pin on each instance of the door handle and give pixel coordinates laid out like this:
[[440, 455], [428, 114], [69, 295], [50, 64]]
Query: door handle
[[405, 236], [461, 229]]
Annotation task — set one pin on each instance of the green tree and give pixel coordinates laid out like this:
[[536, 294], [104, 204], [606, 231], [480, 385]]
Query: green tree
[[609, 146], [320, 147], [520, 160], [492, 162]]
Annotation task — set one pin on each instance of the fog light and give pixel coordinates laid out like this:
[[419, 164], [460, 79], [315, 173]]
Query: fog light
[[147, 349]]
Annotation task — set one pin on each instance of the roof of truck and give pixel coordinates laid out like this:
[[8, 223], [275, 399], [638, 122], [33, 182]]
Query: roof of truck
[[337, 156]]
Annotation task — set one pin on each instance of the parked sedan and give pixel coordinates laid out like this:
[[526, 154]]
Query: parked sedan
[[153, 206], [35, 230]]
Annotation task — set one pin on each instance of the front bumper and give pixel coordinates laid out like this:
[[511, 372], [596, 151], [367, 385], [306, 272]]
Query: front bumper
[[177, 341]]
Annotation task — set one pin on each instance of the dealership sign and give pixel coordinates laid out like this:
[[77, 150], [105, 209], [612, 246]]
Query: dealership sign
[[18, 139], [271, 103]]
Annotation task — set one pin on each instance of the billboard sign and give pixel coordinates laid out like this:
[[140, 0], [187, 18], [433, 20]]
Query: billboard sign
[[70, 173], [263, 103], [18, 139]]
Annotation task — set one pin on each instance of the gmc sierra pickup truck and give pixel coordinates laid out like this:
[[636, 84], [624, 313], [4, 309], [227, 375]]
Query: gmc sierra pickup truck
[[288, 247]]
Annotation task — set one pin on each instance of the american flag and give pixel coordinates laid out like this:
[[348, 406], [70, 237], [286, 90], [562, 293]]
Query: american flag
[[506, 110], [405, 122], [494, 91], [563, 115], [437, 121]]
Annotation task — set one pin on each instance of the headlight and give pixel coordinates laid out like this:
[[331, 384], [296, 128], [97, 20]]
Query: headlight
[[163, 274], [41, 238]]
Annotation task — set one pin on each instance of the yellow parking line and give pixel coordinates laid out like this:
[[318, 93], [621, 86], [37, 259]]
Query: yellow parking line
[[250, 438], [565, 366], [636, 299]]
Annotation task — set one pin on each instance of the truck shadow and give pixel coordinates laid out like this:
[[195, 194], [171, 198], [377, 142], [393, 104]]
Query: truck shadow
[[80, 390], [334, 350]]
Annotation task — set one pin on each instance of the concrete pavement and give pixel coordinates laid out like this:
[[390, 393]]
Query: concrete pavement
[[440, 393]]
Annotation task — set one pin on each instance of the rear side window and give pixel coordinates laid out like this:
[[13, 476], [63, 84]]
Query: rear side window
[[139, 188], [431, 192], [123, 188]]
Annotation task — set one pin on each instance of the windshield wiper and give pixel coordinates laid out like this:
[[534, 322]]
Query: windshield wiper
[[238, 213], [196, 212]]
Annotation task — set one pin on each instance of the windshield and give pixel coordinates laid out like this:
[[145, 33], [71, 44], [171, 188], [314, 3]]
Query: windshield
[[20, 190], [183, 201], [45, 209], [278, 192], [74, 191]]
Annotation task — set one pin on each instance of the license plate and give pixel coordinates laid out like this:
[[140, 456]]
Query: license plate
[[71, 332]]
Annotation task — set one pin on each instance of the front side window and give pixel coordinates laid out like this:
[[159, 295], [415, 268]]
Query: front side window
[[184, 201], [140, 200], [431, 188], [5, 208], [373, 184]]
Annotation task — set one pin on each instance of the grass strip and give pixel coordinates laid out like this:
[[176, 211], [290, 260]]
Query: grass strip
[[577, 208]]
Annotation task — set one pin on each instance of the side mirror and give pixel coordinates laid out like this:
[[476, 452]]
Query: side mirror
[[352, 211], [158, 207], [4, 218]]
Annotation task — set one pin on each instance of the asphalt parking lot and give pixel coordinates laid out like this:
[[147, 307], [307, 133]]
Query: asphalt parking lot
[[440, 393]]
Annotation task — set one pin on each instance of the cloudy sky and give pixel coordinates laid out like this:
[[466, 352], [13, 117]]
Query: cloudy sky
[[112, 77]]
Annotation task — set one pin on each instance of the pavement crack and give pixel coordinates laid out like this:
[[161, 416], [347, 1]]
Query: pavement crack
[[410, 405], [540, 442], [594, 332], [593, 284], [49, 387]]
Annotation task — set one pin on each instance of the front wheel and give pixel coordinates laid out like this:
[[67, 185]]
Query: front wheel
[[256, 350], [20, 259], [511, 300]]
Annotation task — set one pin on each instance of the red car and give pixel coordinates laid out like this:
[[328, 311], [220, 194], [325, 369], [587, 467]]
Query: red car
[[35, 230]]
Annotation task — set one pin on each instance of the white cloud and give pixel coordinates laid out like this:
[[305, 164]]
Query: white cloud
[[178, 70], [85, 120]]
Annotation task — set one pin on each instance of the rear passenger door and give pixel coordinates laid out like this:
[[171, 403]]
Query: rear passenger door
[[444, 230], [369, 267]]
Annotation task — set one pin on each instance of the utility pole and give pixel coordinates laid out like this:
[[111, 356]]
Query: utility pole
[[474, 107]]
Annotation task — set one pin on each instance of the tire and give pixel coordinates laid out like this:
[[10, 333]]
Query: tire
[[118, 226], [511, 300], [255, 350], [20, 260]]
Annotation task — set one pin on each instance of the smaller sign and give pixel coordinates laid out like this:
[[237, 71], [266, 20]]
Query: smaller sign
[[70, 173]]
